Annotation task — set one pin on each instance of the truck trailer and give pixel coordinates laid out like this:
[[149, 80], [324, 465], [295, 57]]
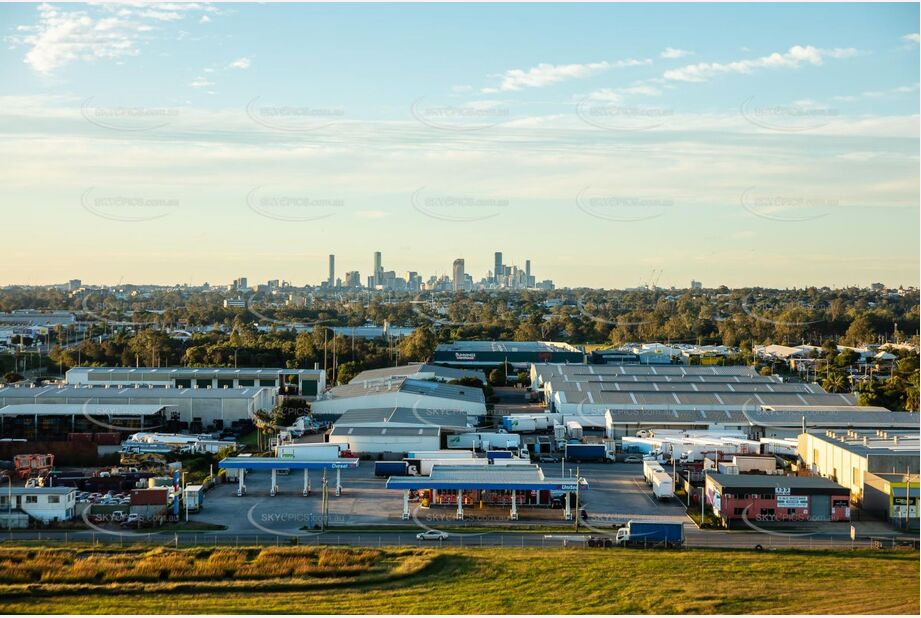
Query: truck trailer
[[651, 534], [663, 488], [390, 468], [316, 451], [588, 453]]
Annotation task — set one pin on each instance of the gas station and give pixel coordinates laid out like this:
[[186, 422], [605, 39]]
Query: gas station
[[243, 464], [518, 485]]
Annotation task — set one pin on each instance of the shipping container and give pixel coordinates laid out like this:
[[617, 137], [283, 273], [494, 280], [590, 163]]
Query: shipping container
[[386, 469]]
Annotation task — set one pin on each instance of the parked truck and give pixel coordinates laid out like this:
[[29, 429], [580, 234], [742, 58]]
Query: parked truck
[[588, 453], [651, 534], [574, 430], [663, 488], [391, 468], [650, 467]]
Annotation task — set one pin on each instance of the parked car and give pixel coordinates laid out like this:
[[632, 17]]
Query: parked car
[[548, 459], [132, 519], [633, 459], [432, 535]]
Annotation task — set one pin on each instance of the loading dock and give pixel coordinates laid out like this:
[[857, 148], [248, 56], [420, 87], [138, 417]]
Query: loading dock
[[274, 464], [453, 481]]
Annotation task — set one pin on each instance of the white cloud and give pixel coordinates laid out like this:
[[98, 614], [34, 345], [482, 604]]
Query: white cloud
[[240, 63], [546, 74], [204, 19], [791, 59], [201, 82], [878, 94], [670, 53], [61, 36], [914, 37]]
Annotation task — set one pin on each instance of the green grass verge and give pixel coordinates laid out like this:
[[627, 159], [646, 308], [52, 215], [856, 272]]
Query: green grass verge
[[476, 581]]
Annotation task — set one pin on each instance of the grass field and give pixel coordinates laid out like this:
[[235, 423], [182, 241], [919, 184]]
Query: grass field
[[412, 580]]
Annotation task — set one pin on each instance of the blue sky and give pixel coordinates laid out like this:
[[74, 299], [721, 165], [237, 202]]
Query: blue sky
[[767, 145]]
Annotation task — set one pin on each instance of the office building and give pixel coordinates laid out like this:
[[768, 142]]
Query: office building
[[459, 278], [378, 274], [331, 280], [499, 272]]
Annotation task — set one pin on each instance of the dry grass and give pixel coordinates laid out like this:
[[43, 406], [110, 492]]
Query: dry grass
[[426, 581]]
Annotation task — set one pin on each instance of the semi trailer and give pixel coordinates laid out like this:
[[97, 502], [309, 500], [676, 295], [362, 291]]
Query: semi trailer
[[651, 534]]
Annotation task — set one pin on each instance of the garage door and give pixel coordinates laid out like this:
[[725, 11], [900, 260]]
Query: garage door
[[820, 508]]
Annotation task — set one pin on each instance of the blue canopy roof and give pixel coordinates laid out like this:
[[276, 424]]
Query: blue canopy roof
[[276, 463]]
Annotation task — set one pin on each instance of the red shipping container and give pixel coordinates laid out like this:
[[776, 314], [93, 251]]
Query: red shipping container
[[153, 497]]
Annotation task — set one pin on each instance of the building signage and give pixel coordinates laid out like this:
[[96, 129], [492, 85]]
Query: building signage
[[782, 491], [567, 487], [464, 356], [793, 502]]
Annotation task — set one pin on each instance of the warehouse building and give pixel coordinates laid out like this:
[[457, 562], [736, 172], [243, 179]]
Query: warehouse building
[[198, 408], [893, 498], [418, 371], [847, 456], [760, 421], [762, 499], [519, 354], [386, 438], [300, 382], [54, 421], [402, 393], [545, 372], [44, 504]]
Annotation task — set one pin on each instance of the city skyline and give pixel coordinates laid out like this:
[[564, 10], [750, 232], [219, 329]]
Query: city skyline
[[168, 146]]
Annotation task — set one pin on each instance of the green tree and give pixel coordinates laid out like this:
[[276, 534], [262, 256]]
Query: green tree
[[12, 377], [419, 346], [347, 371]]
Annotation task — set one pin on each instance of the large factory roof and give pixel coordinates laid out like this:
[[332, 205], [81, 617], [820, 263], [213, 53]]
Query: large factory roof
[[114, 392], [171, 372], [713, 400], [559, 369], [85, 409], [407, 385], [876, 443], [506, 346], [407, 416], [438, 371], [388, 430], [770, 481], [819, 416]]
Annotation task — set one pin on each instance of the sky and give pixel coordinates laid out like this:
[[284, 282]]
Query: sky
[[735, 144]]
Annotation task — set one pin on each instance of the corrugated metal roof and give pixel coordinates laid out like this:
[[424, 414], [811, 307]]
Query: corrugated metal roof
[[90, 409]]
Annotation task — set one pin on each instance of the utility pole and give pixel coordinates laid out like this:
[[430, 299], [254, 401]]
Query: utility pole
[[324, 504], [578, 509]]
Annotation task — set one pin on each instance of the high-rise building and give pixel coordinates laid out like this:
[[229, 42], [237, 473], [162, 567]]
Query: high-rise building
[[696, 285], [499, 270], [331, 281], [241, 283], [527, 273], [378, 273], [459, 275], [352, 279]]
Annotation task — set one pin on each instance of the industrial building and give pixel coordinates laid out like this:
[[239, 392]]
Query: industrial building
[[762, 499], [402, 393], [198, 408], [758, 421], [305, 383], [450, 420], [386, 438], [547, 372], [519, 354], [847, 456], [893, 498], [44, 504], [53, 421], [417, 371]]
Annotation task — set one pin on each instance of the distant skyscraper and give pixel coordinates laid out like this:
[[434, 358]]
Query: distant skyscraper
[[696, 285], [459, 275], [499, 270], [378, 273], [527, 273], [331, 282], [240, 283]]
